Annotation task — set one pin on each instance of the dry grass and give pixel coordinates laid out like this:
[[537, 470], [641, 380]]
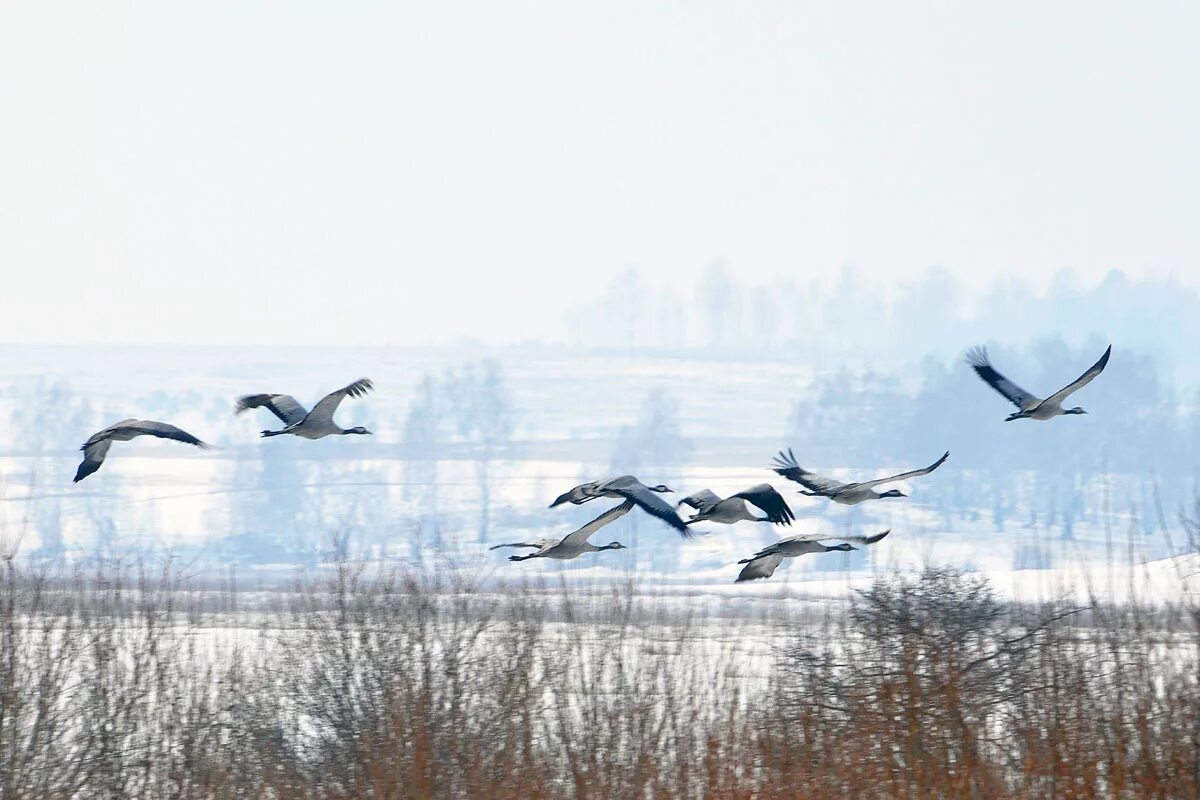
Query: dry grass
[[368, 683]]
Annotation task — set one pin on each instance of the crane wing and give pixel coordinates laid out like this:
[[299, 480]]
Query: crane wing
[[903, 476], [770, 502], [978, 359], [824, 537], [578, 495], [650, 502], [283, 406], [1082, 380], [785, 465], [580, 536], [93, 457], [96, 447], [329, 403], [537, 545], [759, 567], [130, 428], [163, 430], [103, 435], [702, 500]]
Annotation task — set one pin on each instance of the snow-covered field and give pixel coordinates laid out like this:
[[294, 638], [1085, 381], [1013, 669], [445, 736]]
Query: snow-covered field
[[268, 506]]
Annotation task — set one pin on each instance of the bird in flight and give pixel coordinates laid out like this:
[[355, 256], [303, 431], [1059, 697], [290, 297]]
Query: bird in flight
[[586, 492], [848, 494], [315, 424], [627, 487], [575, 543], [763, 563], [736, 508], [96, 447], [1028, 405]]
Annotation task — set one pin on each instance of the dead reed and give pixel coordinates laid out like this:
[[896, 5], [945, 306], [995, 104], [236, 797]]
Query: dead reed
[[121, 682]]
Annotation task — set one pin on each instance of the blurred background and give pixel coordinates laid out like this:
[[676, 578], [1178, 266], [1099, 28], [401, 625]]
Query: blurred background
[[472, 442], [575, 240], [567, 241]]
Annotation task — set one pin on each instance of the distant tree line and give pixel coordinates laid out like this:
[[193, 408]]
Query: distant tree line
[[827, 319]]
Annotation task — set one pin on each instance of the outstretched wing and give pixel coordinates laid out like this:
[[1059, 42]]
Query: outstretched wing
[[651, 503], [538, 545], [978, 359], [770, 502], [759, 567], [131, 428], [701, 500], [93, 457], [580, 536], [785, 465], [866, 539], [903, 476], [106, 434], [329, 403], [283, 406], [163, 430], [1082, 380], [96, 447], [577, 495], [825, 537]]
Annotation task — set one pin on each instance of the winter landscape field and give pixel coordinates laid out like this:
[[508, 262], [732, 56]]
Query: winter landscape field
[[284, 618], [599, 401]]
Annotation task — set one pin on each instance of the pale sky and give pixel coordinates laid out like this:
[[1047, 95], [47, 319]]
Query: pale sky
[[364, 173]]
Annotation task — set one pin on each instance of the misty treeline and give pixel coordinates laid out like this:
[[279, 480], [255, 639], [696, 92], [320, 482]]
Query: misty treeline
[[826, 316], [127, 681], [874, 380]]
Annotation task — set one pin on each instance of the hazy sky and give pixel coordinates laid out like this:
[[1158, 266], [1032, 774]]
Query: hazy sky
[[419, 172]]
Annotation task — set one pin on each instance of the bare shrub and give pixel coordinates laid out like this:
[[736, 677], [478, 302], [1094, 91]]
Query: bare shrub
[[371, 682]]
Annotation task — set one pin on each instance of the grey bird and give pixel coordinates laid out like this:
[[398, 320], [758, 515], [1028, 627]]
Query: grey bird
[[575, 543], [847, 494], [763, 563], [315, 424], [1028, 405], [586, 492], [627, 487], [96, 447], [736, 508]]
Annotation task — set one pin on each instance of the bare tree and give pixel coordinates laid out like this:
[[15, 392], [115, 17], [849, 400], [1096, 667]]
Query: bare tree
[[483, 416], [656, 439], [424, 431]]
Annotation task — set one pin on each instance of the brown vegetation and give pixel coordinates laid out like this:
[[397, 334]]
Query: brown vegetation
[[119, 683]]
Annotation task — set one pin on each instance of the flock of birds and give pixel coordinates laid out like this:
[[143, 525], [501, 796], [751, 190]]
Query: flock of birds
[[746, 505]]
